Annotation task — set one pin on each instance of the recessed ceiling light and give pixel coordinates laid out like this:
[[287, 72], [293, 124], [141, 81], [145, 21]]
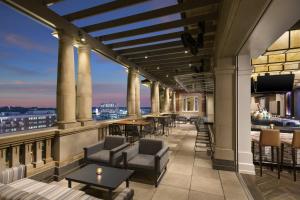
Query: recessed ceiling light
[[185, 51], [157, 68], [146, 57], [82, 39], [167, 75], [190, 64]]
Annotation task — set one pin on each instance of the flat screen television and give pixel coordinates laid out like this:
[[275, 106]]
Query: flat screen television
[[275, 83]]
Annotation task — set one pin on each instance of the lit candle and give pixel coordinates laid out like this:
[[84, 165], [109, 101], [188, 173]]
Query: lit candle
[[98, 170]]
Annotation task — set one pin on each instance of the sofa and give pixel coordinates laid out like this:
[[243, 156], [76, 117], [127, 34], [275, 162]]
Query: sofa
[[107, 152], [149, 156], [14, 186]]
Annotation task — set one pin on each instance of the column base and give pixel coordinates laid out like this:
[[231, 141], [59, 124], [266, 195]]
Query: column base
[[86, 122], [246, 165], [226, 165], [38, 164], [29, 166], [66, 125], [48, 160]]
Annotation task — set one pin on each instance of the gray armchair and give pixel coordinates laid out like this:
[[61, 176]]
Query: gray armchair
[[149, 155], [107, 152]]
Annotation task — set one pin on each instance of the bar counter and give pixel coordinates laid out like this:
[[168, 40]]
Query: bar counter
[[283, 129]]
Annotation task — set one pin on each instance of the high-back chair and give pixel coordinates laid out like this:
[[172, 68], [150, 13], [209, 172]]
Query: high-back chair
[[271, 138]]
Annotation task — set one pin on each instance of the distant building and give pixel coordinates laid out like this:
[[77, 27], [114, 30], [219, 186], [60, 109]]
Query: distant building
[[26, 122]]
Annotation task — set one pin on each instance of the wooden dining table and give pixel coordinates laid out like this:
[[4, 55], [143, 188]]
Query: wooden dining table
[[135, 122], [163, 124]]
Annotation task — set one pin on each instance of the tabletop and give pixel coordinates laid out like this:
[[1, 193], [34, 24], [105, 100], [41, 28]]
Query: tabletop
[[110, 178]]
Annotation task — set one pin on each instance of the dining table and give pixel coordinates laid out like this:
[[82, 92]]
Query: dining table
[[161, 117], [135, 122]]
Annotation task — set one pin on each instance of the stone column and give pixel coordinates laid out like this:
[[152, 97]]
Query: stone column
[[224, 157], [84, 86], [48, 149], [137, 95], [174, 102], [131, 92], [166, 107], [28, 155], [155, 97], [38, 160], [66, 94], [243, 119], [3, 159], [15, 156]]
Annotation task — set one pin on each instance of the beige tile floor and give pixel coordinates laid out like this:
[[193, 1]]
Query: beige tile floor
[[189, 175]]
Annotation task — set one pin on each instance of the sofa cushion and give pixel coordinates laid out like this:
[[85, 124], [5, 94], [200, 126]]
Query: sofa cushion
[[113, 142], [10, 193], [12, 174], [142, 161], [101, 156], [150, 146]]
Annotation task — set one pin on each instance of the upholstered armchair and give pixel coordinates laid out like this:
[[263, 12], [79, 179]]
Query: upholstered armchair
[[107, 152], [149, 155]]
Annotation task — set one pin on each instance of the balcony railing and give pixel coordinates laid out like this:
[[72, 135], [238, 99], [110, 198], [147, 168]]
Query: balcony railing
[[43, 149]]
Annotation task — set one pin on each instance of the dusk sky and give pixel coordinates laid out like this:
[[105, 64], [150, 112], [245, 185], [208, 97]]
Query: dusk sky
[[28, 56]]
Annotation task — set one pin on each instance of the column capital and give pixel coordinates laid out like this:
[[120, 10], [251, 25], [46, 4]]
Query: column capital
[[84, 47], [63, 36]]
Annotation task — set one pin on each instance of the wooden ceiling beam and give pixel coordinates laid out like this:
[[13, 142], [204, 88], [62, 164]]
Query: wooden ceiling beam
[[102, 8], [150, 47], [182, 55], [163, 52], [157, 27], [157, 38], [189, 5], [157, 47], [174, 60], [175, 64]]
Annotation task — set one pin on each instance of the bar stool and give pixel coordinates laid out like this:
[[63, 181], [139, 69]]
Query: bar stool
[[294, 145], [270, 137]]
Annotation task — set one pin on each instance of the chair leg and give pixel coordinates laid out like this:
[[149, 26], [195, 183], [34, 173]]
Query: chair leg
[[282, 153], [252, 149], [278, 162], [294, 162], [272, 158], [260, 159]]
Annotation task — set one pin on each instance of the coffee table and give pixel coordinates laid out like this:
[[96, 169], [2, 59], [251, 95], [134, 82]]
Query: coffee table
[[110, 179]]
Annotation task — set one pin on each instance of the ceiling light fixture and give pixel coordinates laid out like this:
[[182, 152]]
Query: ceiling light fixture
[[167, 75], [146, 57], [190, 64], [185, 51], [157, 68]]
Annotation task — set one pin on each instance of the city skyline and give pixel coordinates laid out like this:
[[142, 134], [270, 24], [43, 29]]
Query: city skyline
[[28, 59]]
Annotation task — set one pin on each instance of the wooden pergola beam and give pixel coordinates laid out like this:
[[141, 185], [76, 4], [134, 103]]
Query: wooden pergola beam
[[40, 12], [193, 4], [175, 64], [157, 27], [162, 58], [50, 2], [150, 47], [156, 38], [102, 8], [171, 60], [158, 47]]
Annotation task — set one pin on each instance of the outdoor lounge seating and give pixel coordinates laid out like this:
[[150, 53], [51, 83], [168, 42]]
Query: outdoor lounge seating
[[149, 155], [107, 152], [14, 186]]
